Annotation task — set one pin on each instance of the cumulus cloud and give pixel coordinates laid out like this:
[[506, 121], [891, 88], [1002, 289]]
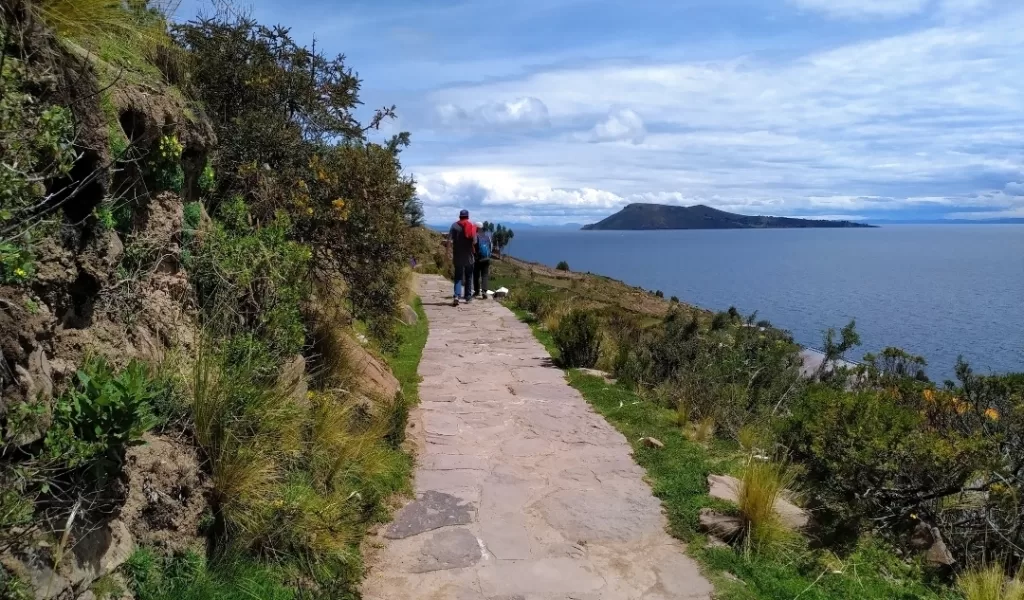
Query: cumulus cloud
[[927, 118], [520, 112], [620, 125]]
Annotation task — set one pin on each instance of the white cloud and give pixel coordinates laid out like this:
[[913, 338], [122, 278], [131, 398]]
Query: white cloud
[[525, 111], [619, 126], [930, 117], [1015, 188], [863, 8]]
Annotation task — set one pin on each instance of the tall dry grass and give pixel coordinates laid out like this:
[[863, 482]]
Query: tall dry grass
[[138, 23], [761, 486], [990, 583]]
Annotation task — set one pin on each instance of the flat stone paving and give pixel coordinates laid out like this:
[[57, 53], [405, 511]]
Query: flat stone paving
[[523, 492]]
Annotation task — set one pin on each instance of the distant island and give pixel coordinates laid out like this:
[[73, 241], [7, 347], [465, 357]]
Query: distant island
[[660, 216]]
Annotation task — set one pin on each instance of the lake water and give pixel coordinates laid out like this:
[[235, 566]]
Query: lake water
[[936, 291]]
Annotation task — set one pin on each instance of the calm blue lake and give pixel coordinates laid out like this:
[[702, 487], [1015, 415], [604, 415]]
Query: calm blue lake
[[934, 290]]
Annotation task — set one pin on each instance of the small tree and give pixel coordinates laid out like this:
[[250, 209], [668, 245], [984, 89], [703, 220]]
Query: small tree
[[836, 350], [562, 266], [501, 236], [578, 339]]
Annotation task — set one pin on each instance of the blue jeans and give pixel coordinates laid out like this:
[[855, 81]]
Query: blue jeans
[[463, 281]]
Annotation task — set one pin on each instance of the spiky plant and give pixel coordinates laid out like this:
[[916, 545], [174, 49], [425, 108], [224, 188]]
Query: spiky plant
[[761, 487], [990, 583]]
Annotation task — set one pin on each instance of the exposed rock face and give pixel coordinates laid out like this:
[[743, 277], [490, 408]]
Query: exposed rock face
[[370, 374], [166, 493], [721, 527], [97, 552]]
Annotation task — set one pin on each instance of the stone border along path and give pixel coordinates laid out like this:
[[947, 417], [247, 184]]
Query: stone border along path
[[523, 492]]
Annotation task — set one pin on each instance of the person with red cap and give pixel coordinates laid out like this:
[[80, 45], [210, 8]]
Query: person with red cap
[[462, 241]]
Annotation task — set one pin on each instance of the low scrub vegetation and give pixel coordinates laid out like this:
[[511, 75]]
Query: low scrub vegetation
[[215, 168], [886, 461]]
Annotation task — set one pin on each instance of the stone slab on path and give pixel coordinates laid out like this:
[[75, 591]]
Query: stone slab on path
[[523, 492]]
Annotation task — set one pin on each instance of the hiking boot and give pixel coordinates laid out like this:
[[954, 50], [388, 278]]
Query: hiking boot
[[455, 301]]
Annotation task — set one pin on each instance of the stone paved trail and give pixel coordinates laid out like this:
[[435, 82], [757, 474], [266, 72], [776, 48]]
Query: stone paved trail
[[523, 492]]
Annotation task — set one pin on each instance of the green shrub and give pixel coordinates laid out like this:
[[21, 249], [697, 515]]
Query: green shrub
[[659, 294], [17, 265], [207, 179], [251, 281], [192, 215], [168, 174], [562, 266], [39, 140], [578, 339], [874, 457], [107, 411]]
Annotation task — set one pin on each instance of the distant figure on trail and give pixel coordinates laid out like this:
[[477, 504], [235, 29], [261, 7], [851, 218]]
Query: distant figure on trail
[[462, 240], [482, 266]]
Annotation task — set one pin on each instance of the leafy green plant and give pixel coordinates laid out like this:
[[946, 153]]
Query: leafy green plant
[[578, 339], [101, 416], [13, 587], [207, 179], [252, 280], [39, 139], [168, 174], [875, 457], [17, 265], [104, 214]]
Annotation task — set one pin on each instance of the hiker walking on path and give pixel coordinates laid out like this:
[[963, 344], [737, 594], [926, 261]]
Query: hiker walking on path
[[482, 266], [462, 240]]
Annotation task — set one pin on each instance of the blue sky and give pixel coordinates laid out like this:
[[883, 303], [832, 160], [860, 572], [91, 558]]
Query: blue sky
[[553, 111]]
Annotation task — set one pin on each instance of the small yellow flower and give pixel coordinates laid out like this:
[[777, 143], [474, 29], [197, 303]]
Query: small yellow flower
[[339, 204], [309, 211], [19, 272], [992, 414], [929, 396]]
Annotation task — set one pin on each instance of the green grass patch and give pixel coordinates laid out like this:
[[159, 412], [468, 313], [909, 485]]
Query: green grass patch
[[406, 360], [190, 577]]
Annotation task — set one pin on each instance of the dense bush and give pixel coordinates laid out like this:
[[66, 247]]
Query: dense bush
[[291, 144], [562, 266], [37, 141], [251, 279], [578, 340], [874, 457], [96, 421]]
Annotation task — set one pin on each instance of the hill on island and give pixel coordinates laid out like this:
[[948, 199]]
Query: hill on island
[[660, 216]]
